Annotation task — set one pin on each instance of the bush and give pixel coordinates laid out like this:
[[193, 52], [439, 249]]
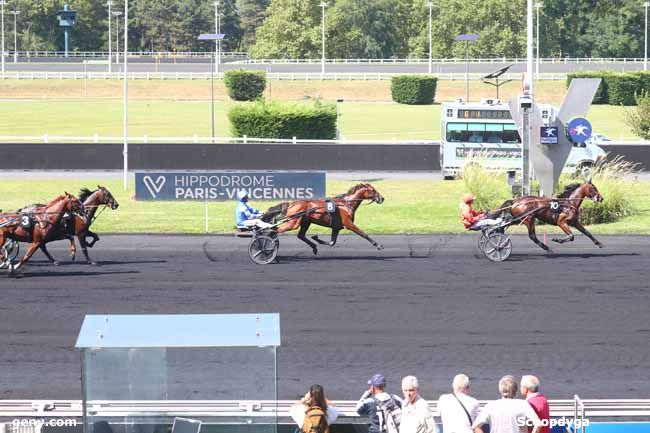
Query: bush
[[644, 82], [245, 85], [413, 89], [623, 88], [602, 96], [613, 179], [638, 118], [490, 188], [262, 119]]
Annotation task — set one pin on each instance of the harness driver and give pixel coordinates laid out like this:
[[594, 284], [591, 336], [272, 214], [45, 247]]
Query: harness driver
[[473, 219], [247, 216]]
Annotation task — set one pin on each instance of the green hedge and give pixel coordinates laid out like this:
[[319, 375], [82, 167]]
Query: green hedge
[[263, 119], [623, 88], [602, 95], [245, 85], [413, 89]]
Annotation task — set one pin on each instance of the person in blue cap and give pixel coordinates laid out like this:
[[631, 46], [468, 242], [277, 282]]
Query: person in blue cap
[[247, 216], [377, 405]]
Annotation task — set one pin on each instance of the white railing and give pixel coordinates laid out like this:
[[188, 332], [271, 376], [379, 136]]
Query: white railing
[[196, 139], [134, 54], [294, 76]]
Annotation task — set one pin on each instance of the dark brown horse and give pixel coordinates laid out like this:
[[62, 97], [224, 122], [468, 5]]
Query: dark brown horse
[[38, 228], [77, 224], [566, 214], [303, 213]]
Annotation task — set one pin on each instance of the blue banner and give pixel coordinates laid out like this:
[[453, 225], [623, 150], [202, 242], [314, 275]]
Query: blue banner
[[213, 186]]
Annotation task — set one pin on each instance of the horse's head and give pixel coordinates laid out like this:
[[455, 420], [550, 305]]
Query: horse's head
[[590, 191], [107, 198], [368, 192], [72, 204]]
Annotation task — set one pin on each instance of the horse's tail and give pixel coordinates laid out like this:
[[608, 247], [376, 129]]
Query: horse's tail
[[274, 213], [503, 210]]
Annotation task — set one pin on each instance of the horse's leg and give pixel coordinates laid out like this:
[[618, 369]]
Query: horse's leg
[[30, 252], [73, 249], [335, 235], [562, 224], [84, 248], [585, 232], [289, 225], [48, 255], [530, 224], [95, 237], [352, 227], [304, 226]]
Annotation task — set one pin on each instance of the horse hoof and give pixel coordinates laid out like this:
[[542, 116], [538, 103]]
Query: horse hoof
[[91, 263], [379, 247], [314, 250], [331, 244], [55, 263], [600, 245]]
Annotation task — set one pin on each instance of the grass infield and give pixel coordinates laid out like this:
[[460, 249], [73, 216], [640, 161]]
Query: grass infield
[[182, 108], [411, 206]]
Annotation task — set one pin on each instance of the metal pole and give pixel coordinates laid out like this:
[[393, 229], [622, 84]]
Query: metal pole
[[2, 5], [645, 46], [117, 36], [126, 96], [110, 38], [212, 97], [15, 14], [537, 7], [322, 69], [466, 71], [529, 46], [525, 153], [216, 42], [430, 40], [206, 217]]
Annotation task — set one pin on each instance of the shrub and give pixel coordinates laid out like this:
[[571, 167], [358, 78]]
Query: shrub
[[245, 85], [262, 119], [413, 89], [490, 188], [602, 96], [613, 179], [623, 88], [644, 82], [638, 118]]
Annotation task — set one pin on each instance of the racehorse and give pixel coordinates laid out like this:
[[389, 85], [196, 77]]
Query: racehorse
[[303, 213], [42, 225], [566, 214], [78, 224]]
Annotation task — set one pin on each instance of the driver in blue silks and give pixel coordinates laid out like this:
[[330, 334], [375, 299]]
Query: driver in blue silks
[[247, 216]]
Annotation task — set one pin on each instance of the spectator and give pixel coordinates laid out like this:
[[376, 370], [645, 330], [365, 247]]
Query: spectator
[[530, 391], [367, 404], [416, 416], [313, 401], [507, 415], [458, 410]]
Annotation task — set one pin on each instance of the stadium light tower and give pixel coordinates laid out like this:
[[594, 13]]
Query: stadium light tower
[[217, 42], [538, 6], [645, 45], [125, 151], [472, 37], [430, 40], [323, 5], [15, 13], [110, 37], [117, 15], [216, 37]]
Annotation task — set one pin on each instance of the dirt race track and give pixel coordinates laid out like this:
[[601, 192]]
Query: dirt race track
[[426, 305]]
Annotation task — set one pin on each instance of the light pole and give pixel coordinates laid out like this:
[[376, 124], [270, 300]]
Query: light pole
[[110, 38], [338, 118], [645, 46], [472, 37], [216, 37], [430, 41], [538, 6], [217, 25], [322, 68], [15, 14], [117, 15], [2, 7], [125, 151]]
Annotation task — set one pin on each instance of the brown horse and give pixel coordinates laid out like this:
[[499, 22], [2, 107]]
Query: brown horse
[[301, 214], [41, 226], [566, 214], [77, 224]]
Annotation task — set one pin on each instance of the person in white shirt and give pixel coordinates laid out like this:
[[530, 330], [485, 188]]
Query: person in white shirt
[[509, 414], [416, 416], [458, 410], [315, 397]]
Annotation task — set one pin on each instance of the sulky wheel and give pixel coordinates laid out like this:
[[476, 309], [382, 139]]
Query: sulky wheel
[[482, 241], [263, 249], [498, 247]]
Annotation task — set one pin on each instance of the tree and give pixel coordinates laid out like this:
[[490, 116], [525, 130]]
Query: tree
[[251, 15], [291, 30]]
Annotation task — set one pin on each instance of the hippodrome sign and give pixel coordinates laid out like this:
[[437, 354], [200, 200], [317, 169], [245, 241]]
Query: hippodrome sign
[[211, 186]]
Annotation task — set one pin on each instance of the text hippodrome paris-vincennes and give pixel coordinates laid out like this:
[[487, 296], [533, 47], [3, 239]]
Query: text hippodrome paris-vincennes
[[206, 187]]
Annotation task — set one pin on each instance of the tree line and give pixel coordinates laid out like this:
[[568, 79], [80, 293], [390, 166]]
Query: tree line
[[354, 28]]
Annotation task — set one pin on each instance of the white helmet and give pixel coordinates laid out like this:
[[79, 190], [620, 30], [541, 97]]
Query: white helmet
[[242, 194]]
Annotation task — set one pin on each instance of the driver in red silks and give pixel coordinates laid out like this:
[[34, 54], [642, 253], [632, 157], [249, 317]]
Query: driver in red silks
[[468, 215]]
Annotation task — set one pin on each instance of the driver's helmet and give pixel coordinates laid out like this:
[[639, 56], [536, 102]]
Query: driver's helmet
[[468, 198], [242, 194]]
